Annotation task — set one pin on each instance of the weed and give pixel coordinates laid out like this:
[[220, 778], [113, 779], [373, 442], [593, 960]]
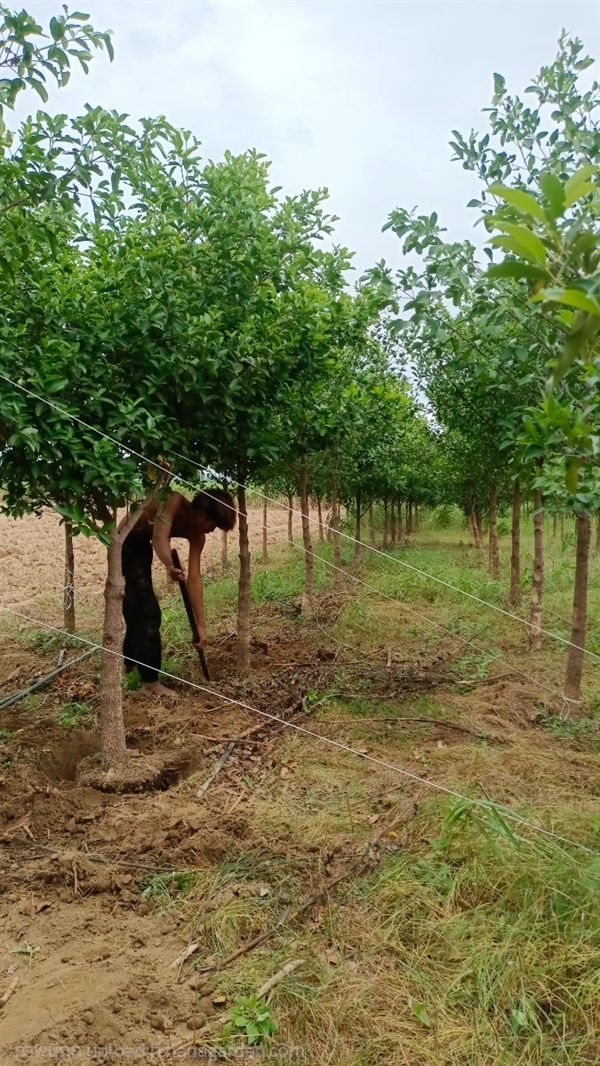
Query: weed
[[474, 666], [251, 1018], [75, 714], [6, 736], [164, 889], [132, 681], [30, 951]]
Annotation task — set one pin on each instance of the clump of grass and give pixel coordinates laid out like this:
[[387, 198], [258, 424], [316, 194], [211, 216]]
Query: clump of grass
[[75, 714]]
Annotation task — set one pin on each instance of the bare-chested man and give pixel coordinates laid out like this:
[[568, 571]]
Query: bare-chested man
[[157, 523]]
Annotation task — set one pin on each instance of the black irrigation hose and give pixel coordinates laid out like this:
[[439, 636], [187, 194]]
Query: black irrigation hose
[[44, 680]]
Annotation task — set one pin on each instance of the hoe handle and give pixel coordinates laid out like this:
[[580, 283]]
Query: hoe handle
[[189, 610]]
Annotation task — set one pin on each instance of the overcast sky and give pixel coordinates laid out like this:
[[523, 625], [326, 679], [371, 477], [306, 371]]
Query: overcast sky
[[356, 96]]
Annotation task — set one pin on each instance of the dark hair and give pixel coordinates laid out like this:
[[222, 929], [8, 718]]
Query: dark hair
[[218, 506]]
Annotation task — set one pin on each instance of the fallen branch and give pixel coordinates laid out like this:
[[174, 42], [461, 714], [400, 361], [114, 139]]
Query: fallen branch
[[277, 977], [406, 718], [217, 770], [9, 991], [364, 860]]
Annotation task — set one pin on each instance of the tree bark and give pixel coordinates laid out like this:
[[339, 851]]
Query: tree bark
[[475, 528], [515, 555], [494, 551], [69, 586], [243, 611], [320, 514], [416, 518], [479, 524], [265, 554], [386, 526], [554, 526], [307, 595], [537, 587], [562, 527], [399, 524], [335, 533], [392, 524], [224, 546], [371, 525], [290, 518], [112, 729], [409, 518], [575, 657], [357, 529]]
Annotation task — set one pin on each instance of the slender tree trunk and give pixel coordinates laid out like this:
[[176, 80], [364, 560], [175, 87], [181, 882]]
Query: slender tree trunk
[[562, 527], [494, 551], [475, 528], [224, 546], [69, 586], [290, 518], [307, 595], [515, 555], [357, 530], [399, 529], [320, 514], [385, 524], [335, 533], [575, 657], [243, 611], [537, 587], [371, 525], [479, 524], [392, 524], [598, 533], [554, 526], [416, 518], [112, 729], [265, 530], [409, 518]]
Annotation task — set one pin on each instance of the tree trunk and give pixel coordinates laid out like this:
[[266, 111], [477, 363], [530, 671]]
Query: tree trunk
[[554, 526], [515, 555], [112, 729], [598, 533], [335, 533], [357, 530], [392, 524], [290, 518], [371, 525], [399, 529], [475, 528], [416, 519], [320, 514], [265, 554], [409, 518], [69, 586], [537, 587], [307, 595], [479, 524], [494, 551], [224, 545], [574, 671], [562, 527], [385, 524], [243, 611]]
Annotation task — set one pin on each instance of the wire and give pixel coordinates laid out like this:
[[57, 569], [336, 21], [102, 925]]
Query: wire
[[408, 566], [506, 811], [393, 599]]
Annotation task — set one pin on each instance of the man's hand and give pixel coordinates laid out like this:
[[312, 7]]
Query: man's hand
[[175, 573], [199, 644]]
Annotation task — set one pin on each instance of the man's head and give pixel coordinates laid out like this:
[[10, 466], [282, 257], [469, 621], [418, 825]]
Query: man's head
[[215, 508]]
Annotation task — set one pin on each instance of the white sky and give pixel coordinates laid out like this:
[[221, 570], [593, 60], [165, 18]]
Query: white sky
[[359, 96]]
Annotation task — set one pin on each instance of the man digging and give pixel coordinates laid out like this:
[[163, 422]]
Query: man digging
[[159, 521]]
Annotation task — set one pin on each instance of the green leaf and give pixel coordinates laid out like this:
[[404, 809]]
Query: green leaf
[[572, 474], [515, 268], [523, 201], [570, 297], [420, 1012], [554, 192], [578, 185], [522, 242]]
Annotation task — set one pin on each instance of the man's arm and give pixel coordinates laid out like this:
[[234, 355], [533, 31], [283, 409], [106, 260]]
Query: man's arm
[[194, 584], [161, 537]]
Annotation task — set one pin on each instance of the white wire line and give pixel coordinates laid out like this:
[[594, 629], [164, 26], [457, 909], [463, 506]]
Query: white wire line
[[392, 599], [346, 536], [400, 562], [486, 805]]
